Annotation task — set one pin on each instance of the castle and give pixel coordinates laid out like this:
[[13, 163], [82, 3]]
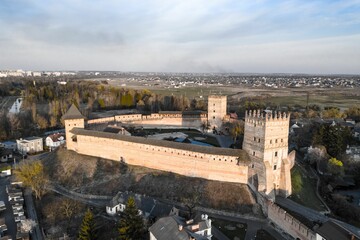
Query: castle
[[263, 163]]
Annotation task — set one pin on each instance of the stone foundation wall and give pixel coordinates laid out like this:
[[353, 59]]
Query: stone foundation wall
[[188, 163]]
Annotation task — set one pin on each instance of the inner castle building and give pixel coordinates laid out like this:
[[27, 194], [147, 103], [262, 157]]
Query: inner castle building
[[263, 163]]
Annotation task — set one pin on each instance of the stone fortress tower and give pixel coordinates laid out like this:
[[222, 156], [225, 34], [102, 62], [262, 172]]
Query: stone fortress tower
[[216, 110], [72, 119], [266, 142]]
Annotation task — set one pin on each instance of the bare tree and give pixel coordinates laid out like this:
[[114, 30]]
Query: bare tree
[[69, 207]]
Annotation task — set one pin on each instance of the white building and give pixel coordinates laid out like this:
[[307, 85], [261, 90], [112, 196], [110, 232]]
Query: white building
[[55, 140], [36, 74], [30, 145], [15, 108]]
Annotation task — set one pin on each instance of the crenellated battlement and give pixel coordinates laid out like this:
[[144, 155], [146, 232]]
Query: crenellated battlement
[[263, 116]]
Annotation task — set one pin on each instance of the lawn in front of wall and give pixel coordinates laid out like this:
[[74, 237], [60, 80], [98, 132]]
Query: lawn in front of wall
[[307, 194], [230, 229]]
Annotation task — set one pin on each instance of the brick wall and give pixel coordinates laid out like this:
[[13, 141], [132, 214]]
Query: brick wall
[[188, 163], [155, 119], [289, 224]]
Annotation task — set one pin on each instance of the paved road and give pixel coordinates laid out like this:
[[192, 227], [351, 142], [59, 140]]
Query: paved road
[[7, 102], [92, 202], [31, 211], [8, 213]]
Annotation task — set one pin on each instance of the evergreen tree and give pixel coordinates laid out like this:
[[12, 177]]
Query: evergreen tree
[[87, 228], [334, 138], [131, 223]]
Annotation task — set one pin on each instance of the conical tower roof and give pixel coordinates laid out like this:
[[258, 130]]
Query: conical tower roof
[[73, 113]]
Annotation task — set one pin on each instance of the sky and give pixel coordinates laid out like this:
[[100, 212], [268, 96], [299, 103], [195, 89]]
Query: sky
[[255, 36]]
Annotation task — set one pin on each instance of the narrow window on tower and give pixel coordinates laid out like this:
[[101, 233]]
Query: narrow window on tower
[[258, 139], [254, 139], [275, 167], [253, 153], [276, 154]]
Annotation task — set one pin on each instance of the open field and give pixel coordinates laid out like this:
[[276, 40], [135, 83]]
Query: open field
[[105, 177], [336, 100], [289, 97], [338, 97]]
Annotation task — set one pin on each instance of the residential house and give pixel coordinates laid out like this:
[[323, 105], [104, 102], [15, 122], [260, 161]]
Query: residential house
[[30, 145], [176, 228], [55, 140], [9, 145], [293, 128], [353, 153], [5, 170], [5, 154], [118, 203], [332, 231], [149, 208]]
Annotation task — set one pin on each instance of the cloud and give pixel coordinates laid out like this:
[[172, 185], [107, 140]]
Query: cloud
[[216, 36]]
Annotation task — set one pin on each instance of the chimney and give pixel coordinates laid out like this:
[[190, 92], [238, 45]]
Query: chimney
[[180, 227], [194, 227], [189, 221]]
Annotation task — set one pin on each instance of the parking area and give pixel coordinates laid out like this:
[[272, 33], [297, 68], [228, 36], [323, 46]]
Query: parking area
[[7, 215], [12, 212]]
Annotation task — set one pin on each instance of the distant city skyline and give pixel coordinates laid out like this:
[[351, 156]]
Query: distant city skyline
[[311, 37]]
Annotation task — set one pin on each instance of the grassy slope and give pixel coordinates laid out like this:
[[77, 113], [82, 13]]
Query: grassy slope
[[306, 195]]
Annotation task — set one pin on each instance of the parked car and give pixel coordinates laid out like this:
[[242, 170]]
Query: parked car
[[2, 206]]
